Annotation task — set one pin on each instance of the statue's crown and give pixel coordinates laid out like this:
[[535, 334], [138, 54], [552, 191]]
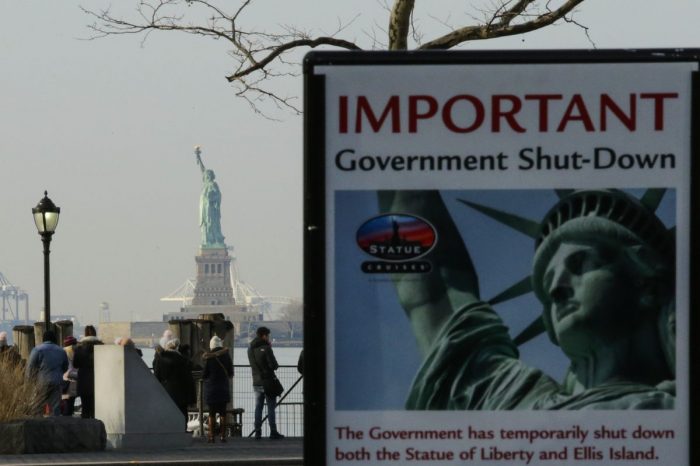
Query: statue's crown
[[585, 215], [612, 205]]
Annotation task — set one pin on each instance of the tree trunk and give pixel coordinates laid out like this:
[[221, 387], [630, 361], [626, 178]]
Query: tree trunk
[[399, 24]]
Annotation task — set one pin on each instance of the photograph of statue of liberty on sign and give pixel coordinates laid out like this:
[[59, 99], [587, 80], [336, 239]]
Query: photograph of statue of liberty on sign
[[533, 300]]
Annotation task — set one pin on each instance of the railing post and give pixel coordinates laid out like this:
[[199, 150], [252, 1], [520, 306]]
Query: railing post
[[200, 406]]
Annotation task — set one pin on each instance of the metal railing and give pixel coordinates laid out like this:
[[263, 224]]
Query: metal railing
[[290, 406]]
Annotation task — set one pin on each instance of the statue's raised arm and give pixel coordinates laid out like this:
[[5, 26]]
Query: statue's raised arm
[[603, 270], [451, 284], [198, 153]]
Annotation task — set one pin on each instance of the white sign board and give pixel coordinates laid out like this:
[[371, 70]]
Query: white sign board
[[498, 257]]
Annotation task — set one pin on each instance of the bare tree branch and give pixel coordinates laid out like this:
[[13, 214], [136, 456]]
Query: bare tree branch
[[280, 49], [515, 11], [586, 30], [260, 57], [491, 31], [415, 33]]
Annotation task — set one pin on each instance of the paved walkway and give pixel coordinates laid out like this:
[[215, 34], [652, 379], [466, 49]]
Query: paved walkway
[[237, 452]]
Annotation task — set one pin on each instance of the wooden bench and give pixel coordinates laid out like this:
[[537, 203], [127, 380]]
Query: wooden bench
[[235, 428]]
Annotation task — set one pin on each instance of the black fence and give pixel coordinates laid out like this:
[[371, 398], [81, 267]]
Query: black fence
[[290, 408], [289, 411]]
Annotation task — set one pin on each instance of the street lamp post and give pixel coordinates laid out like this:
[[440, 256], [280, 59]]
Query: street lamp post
[[46, 218]]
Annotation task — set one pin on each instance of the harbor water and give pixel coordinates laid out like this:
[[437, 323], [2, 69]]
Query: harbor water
[[290, 414], [286, 356]]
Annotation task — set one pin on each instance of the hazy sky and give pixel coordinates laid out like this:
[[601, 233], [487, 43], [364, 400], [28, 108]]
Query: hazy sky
[[108, 127]]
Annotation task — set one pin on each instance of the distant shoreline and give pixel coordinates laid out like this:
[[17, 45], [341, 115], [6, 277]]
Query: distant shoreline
[[275, 344]]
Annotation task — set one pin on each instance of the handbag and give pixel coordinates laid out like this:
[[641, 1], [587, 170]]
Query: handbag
[[224, 368], [273, 387]]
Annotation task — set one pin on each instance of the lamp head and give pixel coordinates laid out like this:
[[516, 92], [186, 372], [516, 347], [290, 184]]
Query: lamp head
[[46, 215]]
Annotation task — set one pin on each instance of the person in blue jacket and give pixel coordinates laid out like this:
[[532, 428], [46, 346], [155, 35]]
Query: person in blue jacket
[[48, 362]]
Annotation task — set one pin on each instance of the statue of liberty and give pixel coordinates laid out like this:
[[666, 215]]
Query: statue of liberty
[[604, 271], [209, 207]]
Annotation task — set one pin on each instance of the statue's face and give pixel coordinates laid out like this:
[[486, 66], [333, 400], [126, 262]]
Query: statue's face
[[592, 296], [210, 175]]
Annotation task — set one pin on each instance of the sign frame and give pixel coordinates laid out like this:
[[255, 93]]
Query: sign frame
[[316, 205]]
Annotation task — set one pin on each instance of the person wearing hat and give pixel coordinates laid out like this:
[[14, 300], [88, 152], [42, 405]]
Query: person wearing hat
[[218, 371], [47, 364], [174, 373], [127, 342], [603, 270], [160, 347], [84, 361], [70, 378]]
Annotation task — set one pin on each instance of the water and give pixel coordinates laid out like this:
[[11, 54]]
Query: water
[[290, 415], [286, 356]]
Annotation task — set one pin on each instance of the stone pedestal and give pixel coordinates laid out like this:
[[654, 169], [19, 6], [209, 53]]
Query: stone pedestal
[[39, 329], [221, 327], [63, 329], [137, 411], [189, 334], [23, 336], [197, 332], [213, 286]]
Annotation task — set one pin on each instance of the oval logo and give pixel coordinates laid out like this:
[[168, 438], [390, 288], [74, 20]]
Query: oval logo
[[396, 237]]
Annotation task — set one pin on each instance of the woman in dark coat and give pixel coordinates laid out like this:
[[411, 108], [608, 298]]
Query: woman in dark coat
[[218, 370], [174, 373], [84, 361]]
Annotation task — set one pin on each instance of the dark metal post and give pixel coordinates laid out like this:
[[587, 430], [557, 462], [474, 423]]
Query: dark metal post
[[46, 239], [46, 219], [200, 406]]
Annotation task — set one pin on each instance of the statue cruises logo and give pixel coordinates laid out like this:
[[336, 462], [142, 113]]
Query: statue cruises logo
[[397, 240]]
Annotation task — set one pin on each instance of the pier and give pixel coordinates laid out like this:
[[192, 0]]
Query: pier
[[236, 451]]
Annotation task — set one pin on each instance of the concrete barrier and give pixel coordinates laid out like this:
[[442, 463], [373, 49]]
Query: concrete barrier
[[136, 410], [56, 434]]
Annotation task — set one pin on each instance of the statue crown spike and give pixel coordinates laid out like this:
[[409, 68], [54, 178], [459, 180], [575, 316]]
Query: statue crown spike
[[636, 215]]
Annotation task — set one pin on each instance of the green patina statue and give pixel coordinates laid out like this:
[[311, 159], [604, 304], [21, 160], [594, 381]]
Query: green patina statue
[[603, 269], [209, 207]]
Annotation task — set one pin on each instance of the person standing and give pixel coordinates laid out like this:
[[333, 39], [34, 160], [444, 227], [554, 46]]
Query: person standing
[[263, 365], [218, 370], [160, 347], [70, 377], [84, 361], [173, 372], [48, 362]]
